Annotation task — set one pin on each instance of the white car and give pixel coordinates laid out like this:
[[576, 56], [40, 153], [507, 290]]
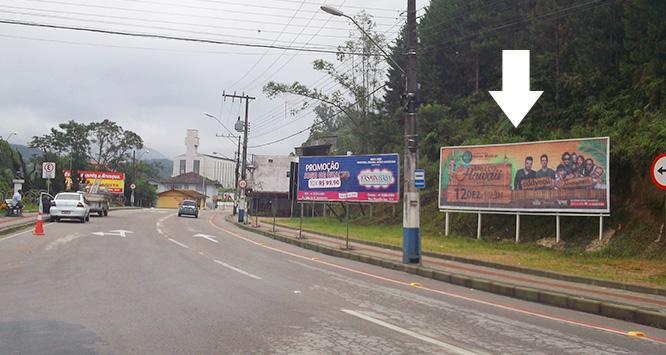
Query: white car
[[70, 205]]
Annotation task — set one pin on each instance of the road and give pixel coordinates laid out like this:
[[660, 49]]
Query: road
[[149, 282]]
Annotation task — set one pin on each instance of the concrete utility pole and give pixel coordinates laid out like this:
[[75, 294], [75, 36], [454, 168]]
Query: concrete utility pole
[[242, 128], [238, 152], [412, 200]]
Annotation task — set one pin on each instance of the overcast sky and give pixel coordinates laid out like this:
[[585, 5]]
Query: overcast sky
[[159, 88]]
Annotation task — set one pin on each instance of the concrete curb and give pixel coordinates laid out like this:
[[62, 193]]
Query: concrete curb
[[577, 303], [549, 274]]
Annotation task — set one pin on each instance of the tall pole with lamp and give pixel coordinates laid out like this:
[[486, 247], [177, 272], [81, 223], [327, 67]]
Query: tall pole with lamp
[[411, 250], [237, 155]]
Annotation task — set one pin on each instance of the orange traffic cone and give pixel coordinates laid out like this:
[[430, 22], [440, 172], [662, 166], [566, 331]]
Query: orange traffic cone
[[39, 227]]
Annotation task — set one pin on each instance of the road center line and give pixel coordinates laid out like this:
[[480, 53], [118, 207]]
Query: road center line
[[237, 269], [178, 243], [447, 346]]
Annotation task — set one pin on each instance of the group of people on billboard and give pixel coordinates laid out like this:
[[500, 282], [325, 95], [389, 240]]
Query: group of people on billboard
[[574, 171]]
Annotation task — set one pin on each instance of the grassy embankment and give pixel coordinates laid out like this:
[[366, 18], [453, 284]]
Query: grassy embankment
[[650, 272]]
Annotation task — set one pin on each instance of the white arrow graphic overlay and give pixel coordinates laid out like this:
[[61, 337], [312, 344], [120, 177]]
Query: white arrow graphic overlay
[[516, 99], [205, 236]]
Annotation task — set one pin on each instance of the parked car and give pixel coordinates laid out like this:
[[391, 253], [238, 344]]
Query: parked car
[[188, 207], [70, 205]]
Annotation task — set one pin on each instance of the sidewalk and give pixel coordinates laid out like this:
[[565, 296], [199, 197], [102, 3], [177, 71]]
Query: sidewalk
[[633, 306], [8, 224]]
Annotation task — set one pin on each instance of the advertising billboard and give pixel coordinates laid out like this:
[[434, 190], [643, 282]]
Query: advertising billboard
[[112, 181], [551, 176], [356, 178]]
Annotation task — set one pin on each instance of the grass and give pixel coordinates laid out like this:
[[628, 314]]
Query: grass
[[649, 272]]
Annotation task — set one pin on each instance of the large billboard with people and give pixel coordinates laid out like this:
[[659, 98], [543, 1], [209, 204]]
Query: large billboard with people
[[551, 176], [353, 178], [113, 182]]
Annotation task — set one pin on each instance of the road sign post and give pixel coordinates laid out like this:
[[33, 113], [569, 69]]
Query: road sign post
[[48, 173], [658, 176], [419, 178]]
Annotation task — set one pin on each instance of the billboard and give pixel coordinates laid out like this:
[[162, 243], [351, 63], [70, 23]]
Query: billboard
[[357, 178], [113, 181], [551, 176]]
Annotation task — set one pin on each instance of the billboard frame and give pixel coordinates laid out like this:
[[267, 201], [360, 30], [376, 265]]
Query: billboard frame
[[351, 201], [523, 211]]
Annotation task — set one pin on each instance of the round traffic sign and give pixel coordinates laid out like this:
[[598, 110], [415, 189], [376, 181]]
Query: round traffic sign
[[242, 184], [132, 186], [658, 171], [49, 167]]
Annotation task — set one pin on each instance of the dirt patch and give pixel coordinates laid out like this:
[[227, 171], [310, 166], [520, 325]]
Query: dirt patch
[[551, 243], [597, 244]]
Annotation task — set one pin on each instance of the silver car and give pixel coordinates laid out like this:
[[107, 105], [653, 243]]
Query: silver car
[[70, 205]]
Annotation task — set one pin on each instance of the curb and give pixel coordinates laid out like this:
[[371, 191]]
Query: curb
[[576, 303], [535, 272]]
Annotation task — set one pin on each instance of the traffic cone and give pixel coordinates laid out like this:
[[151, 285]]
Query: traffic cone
[[39, 227]]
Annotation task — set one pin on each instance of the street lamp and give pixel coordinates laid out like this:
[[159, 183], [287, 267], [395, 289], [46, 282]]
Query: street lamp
[[411, 251], [236, 172], [9, 136]]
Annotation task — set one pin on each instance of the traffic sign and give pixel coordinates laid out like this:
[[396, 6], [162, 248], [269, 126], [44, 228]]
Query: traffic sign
[[419, 178], [242, 184], [132, 186], [48, 170], [658, 171]]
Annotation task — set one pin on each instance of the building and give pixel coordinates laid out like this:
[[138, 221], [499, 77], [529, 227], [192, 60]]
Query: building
[[189, 182], [173, 198], [214, 167], [269, 181]]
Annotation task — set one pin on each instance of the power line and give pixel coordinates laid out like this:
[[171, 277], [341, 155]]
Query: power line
[[316, 123], [176, 38]]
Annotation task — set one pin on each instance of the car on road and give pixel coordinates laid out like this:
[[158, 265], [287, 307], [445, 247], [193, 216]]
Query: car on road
[[70, 205], [188, 207]]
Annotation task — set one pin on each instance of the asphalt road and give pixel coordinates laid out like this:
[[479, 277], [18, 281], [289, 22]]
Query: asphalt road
[[175, 285]]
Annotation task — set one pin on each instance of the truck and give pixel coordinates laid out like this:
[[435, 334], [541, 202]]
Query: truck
[[98, 198]]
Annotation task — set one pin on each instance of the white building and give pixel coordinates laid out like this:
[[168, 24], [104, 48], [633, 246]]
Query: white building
[[271, 173], [213, 167]]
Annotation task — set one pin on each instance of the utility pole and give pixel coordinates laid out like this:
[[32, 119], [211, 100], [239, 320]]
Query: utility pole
[[412, 200], [236, 192], [240, 127], [133, 175]]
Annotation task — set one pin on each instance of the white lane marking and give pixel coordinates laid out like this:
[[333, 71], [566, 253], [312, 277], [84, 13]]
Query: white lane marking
[[178, 243], [206, 236], [447, 346], [237, 270], [15, 235]]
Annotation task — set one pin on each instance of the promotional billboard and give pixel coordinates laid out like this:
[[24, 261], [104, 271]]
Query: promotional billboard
[[550, 176], [112, 181], [358, 178]]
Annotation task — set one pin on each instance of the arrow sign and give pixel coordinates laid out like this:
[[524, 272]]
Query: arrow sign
[[117, 233], [205, 236], [661, 170], [516, 99]]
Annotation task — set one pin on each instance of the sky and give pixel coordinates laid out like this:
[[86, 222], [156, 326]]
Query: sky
[[159, 88]]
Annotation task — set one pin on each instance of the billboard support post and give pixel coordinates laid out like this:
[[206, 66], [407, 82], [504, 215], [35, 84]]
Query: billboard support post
[[347, 220], [601, 227], [446, 224], [300, 228], [478, 227], [517, 228], [557, 228], [274, 208]]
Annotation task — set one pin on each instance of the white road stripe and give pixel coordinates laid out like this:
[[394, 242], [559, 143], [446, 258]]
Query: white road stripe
[[237, 270], [15, 235], [179, 243], [447, 346]]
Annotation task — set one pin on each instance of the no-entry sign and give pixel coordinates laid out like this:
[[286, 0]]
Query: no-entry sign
[[658, 171]]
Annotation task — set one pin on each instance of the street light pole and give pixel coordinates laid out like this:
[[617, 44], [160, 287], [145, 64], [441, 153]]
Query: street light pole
[[411, 238]]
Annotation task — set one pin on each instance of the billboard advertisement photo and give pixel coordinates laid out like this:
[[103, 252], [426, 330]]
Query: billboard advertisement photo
[[549, 176], [356, 178], [112, 181]]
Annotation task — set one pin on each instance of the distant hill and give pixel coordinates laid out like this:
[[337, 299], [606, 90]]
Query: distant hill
[[26, 152], [166, 166]]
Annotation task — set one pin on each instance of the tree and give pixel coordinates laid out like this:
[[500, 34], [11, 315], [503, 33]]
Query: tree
[[354, 102], [111, 144]]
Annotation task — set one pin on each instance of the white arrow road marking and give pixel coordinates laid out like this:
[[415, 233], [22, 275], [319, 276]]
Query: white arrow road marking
[[237, 270], [447, 346], [178, 243], [516, 99], [117, 233], [206, 236]]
